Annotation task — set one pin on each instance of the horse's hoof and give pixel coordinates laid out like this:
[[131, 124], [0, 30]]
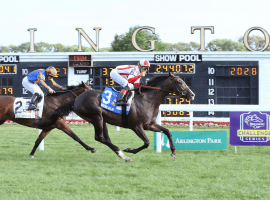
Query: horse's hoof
[[94, 151], [173, 156], [128, 160], [127, 150], [123, 156], [31, 156]]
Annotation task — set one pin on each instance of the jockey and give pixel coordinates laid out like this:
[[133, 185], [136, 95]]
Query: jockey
[[129, 76], [39, 76]]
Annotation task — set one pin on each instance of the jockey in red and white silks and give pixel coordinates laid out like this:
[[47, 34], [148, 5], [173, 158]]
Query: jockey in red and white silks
[[129, 76]]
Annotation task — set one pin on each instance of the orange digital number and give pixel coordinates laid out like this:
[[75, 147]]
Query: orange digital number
[[174, 113], [158, 68], [178, 68], [7, 68], [239, 71], [1, 69], [165, 67], [185, 68], [254, 71], [169, 100], [10, 90], [191, 69], [172, 68], [104, 71], [246, 71], [232, 71], [111, 81], [65, 71]]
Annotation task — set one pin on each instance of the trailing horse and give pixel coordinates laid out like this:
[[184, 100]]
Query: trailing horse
[[142, 116], [51, 103]]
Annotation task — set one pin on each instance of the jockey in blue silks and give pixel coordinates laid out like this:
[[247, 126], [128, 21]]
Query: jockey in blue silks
[[40, 77]]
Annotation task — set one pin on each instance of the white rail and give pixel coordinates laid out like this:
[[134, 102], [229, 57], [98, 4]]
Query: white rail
[[205, 107]]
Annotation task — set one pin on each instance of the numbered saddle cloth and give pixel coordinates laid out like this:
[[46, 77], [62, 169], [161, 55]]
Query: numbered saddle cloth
[[21, 105], [109, 99]]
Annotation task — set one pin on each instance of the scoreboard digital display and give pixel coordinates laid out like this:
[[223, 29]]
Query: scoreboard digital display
[[174, 68], [11, 75], [213, 82]]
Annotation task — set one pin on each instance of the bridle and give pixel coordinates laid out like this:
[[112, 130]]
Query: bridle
[[179, 88]]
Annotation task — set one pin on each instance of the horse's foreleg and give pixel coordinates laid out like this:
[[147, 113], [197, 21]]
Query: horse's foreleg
[[42, 135], [61, 125], [141, 134], [158, 128]]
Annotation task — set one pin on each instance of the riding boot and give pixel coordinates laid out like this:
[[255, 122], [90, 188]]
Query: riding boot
[[34, 100], [121, 101]]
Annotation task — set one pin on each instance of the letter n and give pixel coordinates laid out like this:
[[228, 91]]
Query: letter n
[[81, 32]]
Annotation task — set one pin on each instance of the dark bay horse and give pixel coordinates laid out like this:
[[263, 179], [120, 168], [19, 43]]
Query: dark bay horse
[[51, 103], [142, 116]]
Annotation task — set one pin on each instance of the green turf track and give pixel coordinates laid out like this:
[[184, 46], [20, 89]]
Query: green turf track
[[65, 170]]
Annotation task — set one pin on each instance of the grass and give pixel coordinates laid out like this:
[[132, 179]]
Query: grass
[[66, 171]]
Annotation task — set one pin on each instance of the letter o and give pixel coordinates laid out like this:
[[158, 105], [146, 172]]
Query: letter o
[[266, 35]]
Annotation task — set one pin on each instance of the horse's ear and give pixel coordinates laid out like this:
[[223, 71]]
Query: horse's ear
[[87, 82], [171, 74]]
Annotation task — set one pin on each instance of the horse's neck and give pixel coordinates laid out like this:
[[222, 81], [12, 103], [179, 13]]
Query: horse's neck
[[63, 98], [154, 97], [158, 96]]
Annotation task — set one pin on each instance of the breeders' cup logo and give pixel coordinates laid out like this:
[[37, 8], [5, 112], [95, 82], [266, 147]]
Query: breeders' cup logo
[[254, 121], [254, 127]]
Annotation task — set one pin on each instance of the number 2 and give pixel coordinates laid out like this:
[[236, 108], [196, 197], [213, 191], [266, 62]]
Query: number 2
[[17, 107]]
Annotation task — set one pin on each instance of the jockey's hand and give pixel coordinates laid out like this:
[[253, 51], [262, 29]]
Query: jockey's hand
[[51, 91], [142, 74]]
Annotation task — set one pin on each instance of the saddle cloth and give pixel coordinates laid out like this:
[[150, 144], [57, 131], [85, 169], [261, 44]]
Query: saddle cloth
[[109, 99], [20, 108]]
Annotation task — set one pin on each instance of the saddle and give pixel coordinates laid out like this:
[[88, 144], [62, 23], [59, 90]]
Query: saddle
[[20, 108], [127, 97]]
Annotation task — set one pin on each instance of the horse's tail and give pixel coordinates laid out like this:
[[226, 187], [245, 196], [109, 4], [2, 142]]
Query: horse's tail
[[63, 110]]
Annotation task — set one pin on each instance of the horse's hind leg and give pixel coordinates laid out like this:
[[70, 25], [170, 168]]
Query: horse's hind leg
[[2, 122], [61, 125], [101, 135], [105, 132], [42, 135]]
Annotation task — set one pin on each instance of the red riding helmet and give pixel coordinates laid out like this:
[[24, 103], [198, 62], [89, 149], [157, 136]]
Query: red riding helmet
[[144, 63]]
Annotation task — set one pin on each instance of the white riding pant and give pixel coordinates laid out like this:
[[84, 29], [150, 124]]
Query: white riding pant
[[120, 79], [32, 87]]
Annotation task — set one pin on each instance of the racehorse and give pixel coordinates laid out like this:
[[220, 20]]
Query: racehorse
[[51, 103], [142, 116]]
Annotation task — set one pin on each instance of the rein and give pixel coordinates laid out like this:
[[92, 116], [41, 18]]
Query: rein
[[156, 88]]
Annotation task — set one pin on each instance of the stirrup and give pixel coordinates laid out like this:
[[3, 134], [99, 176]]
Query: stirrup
[[32, 107], [122, 103]]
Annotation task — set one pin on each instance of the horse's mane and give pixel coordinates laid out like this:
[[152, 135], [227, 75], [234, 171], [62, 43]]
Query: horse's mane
[[68, 88], [154, 81]]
